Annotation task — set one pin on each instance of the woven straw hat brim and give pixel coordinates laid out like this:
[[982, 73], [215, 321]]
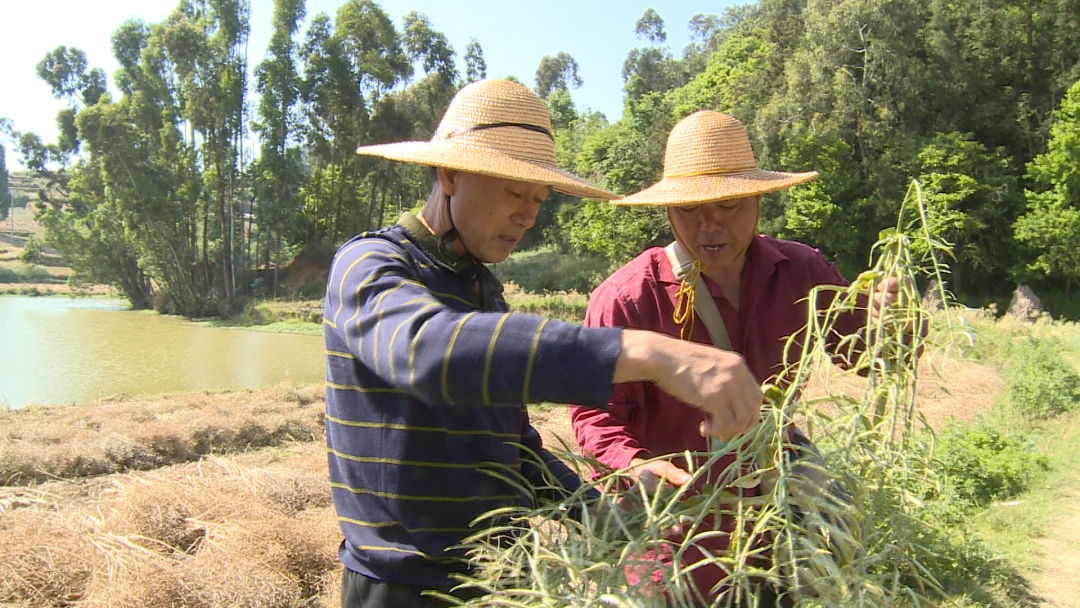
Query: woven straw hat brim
[[697, 189], [484, 161]]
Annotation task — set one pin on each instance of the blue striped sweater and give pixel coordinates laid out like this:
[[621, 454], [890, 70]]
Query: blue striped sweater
[[426, 387]]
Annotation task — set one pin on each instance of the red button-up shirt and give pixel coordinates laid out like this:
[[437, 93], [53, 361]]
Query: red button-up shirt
[[642, 421]]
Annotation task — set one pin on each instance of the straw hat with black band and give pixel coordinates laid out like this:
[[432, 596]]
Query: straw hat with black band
[[708, 159], [496, 128]]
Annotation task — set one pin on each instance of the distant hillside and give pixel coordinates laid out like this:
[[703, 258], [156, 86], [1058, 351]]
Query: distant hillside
[[25, 185]]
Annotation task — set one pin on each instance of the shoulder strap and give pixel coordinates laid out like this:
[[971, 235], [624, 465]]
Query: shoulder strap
[[704, 305]]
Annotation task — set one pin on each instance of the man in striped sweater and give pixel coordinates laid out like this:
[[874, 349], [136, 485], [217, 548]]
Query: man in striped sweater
[[428, 374]]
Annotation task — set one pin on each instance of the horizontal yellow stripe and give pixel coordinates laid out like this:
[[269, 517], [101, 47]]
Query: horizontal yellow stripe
[[423, 429], [392, 550], [408, 463], [451, 296], [361, 389], [388, 524], [448, 499], [333, 353]]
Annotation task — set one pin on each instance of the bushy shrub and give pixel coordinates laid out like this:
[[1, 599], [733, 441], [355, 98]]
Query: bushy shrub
[[1041, 383], [311, 291], [33, 252], [982, 465]]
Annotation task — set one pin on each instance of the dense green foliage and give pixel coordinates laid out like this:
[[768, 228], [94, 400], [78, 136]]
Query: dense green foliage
[[1041, 383], [983, 465], [157, 194]]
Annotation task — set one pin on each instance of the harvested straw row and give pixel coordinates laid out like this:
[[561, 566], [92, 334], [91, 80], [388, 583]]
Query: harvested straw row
[[39, 444], [210, 534]]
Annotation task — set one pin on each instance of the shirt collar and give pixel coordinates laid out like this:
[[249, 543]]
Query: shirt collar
[[465, 266], [762, 256], [427, 241]]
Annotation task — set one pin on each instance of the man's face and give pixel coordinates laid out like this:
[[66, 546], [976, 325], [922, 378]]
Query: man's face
[[491, 214], [718, 233]]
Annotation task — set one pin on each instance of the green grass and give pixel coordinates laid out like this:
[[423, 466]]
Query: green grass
[[1005, 529], [545, 269], [567, 306], [1009, 526], [276, 316], [19, 272]]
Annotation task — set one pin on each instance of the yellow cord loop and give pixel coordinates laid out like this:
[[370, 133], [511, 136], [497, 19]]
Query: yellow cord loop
[[684, 301]]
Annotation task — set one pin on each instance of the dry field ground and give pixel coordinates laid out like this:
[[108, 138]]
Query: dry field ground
[[212, 499]]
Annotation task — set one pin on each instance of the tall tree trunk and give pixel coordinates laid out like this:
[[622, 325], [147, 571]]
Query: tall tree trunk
[[371, 203], [226, 240], [314, 235], [277, 259], [255, 260], [382, 204], [250, 225], [277, 248], [336, 172], [208, 286]]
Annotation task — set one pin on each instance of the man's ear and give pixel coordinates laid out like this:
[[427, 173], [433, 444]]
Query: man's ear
[[448, 180]]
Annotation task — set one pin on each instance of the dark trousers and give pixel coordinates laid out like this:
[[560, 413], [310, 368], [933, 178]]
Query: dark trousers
[[359, 591]]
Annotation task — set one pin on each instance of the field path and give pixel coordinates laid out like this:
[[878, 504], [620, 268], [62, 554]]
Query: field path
[[1057, 583]]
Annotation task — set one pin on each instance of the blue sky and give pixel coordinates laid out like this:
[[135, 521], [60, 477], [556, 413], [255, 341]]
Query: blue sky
[[514, 37]]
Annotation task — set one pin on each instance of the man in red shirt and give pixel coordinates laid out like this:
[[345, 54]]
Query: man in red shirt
[[712, 189]]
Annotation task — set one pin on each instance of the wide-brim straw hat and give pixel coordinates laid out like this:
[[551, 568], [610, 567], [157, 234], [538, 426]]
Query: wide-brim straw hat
[[709, 158], [496, 128]]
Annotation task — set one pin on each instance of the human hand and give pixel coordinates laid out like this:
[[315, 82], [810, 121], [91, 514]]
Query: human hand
[[715, 381], [886, 293], [654, 477], [653, 473]]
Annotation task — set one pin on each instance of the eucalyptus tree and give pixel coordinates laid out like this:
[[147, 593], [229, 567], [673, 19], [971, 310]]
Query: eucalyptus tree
[[431, 51], [557, 72], [652, 68], [278, 170], [475, 66], [153, 84], [204, 41], [424, 45], [378, 63], [324, 105], [66, 71], [349, 66]]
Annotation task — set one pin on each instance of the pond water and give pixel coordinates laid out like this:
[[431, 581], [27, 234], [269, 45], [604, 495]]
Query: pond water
[[60, 350]]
